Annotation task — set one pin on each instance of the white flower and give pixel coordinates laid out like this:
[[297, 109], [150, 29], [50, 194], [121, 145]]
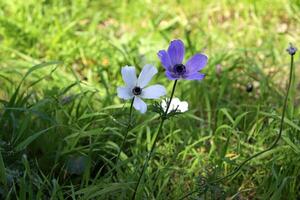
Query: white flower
[[176, 104], [136, 87]]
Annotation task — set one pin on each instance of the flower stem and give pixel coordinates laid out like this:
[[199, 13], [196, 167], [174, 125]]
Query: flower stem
[[127, 131], [268, 149], [154, 143]]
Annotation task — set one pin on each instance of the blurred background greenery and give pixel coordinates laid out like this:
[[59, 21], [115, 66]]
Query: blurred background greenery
[[62, 126]]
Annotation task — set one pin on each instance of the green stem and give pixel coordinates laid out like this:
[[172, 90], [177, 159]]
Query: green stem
[[127, 131], [268, 149], [154, 143]]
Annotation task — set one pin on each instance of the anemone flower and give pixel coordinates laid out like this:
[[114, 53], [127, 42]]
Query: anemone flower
[[172, 60], [175, 104], [291, 49], [136, 87]]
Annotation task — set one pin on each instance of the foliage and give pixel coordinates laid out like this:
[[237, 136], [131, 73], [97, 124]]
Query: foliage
[[61, 123]]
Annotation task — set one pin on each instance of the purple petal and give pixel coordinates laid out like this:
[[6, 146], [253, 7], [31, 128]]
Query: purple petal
[[195, 76], [196, 63], [171, 76], [176, 52], [164, 59]]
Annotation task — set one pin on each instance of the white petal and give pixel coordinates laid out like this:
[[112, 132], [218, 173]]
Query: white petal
[[175, 101], [129, 75], [153, 92], [124, 93], [175, 104], [164, 104], [146, 75], [183, 106], [139, 105]]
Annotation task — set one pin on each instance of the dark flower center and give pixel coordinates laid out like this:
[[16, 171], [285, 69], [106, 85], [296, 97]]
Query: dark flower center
[[179, 69], [137, 90]]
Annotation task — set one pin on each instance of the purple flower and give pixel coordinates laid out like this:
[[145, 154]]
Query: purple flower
[[291, 49], [172, 61]]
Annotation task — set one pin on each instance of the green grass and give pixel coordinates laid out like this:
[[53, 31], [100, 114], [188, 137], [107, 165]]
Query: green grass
[[61, 122]]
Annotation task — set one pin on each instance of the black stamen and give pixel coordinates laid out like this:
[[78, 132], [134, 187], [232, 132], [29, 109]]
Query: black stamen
[[179, 69], [137, 90]]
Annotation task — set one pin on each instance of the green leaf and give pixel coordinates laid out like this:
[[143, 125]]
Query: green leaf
[[30, 139], [291, 144]]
